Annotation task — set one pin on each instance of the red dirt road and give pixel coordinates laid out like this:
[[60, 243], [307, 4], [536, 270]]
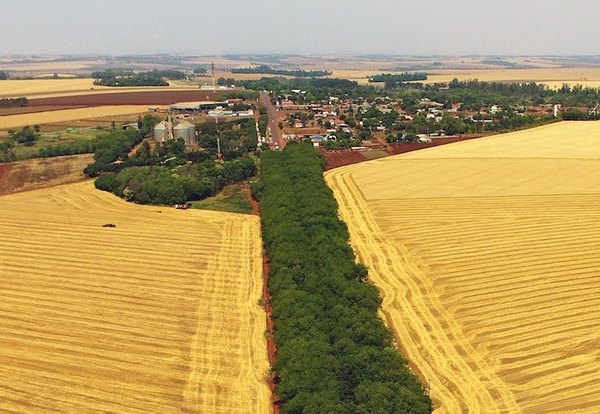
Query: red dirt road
[[165, 97], [271, 347]]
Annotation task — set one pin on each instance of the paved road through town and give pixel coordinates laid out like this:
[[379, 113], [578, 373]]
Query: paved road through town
[[274, 118]]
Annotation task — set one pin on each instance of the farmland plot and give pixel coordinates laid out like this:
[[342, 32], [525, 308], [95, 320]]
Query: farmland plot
[[47, 117], [159, 314], [486, 254]]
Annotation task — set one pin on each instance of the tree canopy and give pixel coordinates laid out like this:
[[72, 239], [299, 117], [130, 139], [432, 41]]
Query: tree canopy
[[334, 354]]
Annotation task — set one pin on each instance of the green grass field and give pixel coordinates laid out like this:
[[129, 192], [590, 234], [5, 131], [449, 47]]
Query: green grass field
[[48, 139], [232, 199]]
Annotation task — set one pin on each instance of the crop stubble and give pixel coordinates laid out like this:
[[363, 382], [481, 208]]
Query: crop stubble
[[159, 314], [486, 255]]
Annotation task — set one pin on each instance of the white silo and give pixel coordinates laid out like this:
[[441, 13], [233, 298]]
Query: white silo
[[187, 131], [160, 131]]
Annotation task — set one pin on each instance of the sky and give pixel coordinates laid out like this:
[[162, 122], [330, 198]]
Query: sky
[[321, 27]]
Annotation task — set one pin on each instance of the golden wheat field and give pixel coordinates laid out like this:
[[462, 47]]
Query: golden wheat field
[[29, 87], [157, 315], [553, 77], [62, 115], [486, 255], [46, 88]]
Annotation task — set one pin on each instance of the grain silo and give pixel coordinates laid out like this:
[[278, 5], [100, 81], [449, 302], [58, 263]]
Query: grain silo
[[187, 131], [160, 131]]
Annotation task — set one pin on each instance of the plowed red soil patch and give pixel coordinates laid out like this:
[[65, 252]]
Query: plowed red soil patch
[[165, 97], [402, 148], [339, 159]]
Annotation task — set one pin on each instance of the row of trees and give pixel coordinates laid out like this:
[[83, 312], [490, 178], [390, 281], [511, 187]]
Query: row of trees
[[316, 88], [165, 185], [152, 78], [475, 94], [298, 73], [392, 80], [334, 354], [13, 102]]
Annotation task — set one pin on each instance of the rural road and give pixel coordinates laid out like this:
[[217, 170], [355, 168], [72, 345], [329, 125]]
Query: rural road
[[273, 120]]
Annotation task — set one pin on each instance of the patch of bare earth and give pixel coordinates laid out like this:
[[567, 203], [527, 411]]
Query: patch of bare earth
[[42, 172]]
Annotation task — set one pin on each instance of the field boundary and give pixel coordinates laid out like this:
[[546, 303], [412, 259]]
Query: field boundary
[[266, 297]]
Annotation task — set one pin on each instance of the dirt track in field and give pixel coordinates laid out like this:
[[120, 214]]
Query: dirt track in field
[[157, 315], [484, 252]]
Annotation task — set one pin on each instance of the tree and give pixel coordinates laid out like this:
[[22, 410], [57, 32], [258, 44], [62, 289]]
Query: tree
[[574, 114], [452, 125], [26, 136], [4, 75]]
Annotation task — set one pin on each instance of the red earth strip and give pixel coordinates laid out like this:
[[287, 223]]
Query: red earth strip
[[266, 296], [340, 158]]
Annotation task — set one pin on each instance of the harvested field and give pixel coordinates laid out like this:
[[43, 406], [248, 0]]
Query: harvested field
[[42, 172], [154, 97], [31, 87], [48, 117], [157, 315], [553, 77], [41, 88], [485, 255]]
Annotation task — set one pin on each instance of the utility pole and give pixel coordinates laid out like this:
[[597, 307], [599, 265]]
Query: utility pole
[[212, 69]]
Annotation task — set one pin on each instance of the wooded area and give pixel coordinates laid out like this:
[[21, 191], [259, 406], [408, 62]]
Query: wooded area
[[334, 353]]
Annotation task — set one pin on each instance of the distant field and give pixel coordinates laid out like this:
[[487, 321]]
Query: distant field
[[14, 121], [43, 88], [553, 77], [157, 315], [485, 254]]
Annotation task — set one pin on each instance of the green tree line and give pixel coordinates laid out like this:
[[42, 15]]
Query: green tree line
[[392, 80], [13, 102], [334, 354], [122, 78], [298, 73], [167, 185]]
